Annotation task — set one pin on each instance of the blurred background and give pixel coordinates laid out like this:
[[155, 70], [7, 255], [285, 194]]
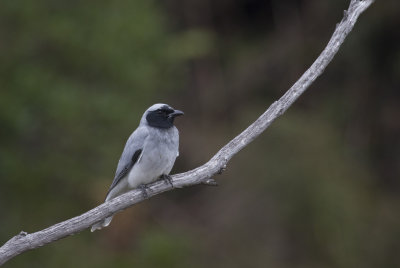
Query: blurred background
[[320, 188]]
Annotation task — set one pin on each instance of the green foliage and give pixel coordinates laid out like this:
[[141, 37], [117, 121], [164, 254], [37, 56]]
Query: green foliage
[[70, 73]]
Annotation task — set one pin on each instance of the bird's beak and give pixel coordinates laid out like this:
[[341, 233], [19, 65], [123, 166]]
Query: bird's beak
[[176, 113]]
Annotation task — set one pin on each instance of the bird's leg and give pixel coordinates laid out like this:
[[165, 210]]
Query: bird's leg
[[167, 179], [143, 188]]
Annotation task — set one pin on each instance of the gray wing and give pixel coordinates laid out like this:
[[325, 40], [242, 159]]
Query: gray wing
[[132, 152]]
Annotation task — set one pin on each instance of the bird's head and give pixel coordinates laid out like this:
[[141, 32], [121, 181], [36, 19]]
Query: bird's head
[[160, 115]]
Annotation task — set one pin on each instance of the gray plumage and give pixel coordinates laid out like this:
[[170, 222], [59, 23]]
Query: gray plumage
[[149, 153]]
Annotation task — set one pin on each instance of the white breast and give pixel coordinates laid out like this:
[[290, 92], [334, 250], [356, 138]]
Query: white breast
[[158, 157]]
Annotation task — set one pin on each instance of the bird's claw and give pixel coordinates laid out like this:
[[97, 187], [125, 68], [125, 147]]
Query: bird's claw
[[143, 188], [167, 179]]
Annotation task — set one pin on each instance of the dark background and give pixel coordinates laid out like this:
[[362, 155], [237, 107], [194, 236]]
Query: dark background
[[320, 188]]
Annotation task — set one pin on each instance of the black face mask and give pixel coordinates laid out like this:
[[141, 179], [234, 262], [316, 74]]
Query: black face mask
[[163, 117]]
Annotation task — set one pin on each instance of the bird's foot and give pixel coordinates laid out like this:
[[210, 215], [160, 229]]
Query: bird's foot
[[167, 179], [143, 188]]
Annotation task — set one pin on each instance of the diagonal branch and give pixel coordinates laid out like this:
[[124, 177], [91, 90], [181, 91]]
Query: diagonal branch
[[203, 174]]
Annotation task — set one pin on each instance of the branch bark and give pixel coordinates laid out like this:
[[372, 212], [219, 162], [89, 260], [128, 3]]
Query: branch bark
[[203, 174]]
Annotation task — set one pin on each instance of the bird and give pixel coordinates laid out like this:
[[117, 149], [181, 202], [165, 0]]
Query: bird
[[149, 154]]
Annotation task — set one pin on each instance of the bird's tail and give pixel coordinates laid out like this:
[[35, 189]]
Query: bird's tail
[[101, 224]]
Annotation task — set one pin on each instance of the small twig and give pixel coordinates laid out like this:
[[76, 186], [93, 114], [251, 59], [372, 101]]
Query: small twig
[[210, 182]]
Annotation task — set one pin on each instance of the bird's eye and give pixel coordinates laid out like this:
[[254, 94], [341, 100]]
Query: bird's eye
[[159, 111]]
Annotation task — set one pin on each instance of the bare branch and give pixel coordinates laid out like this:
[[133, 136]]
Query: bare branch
[[203, 174]]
